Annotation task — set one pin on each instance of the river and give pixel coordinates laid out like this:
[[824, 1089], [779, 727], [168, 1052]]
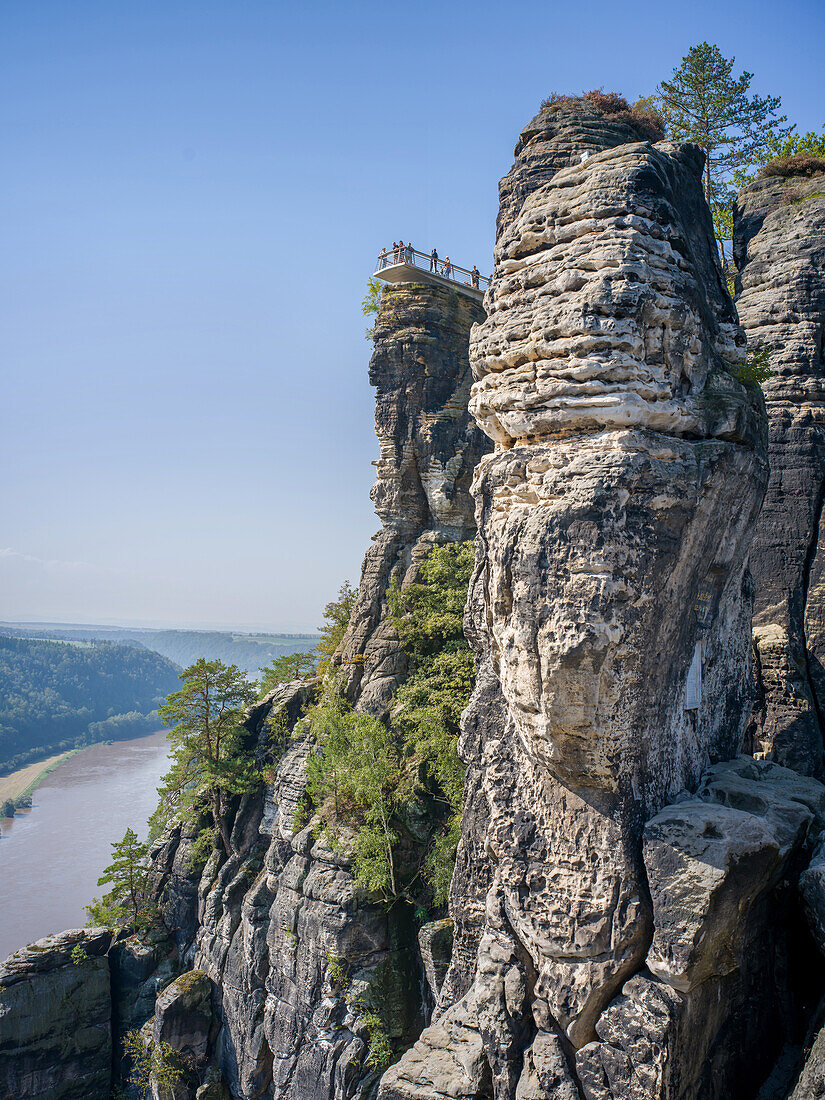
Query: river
[[52, 855]]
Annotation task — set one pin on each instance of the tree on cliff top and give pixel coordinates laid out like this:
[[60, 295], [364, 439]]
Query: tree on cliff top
[[705, 104], [209, 761], [285, 669]]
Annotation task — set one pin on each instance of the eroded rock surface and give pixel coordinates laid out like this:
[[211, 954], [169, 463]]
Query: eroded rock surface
[[429, 449], [56, 1019], [779, 244], [610, 608]]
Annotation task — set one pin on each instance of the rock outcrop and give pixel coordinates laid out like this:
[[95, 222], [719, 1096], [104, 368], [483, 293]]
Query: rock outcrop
[[779, 247], [56, 1019], [610, 612], [429, 448]]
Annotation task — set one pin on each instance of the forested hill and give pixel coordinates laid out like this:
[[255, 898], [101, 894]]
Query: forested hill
[[56, 696], [249, 652]]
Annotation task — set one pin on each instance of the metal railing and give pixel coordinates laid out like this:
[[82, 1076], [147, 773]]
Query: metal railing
[[390, 257]]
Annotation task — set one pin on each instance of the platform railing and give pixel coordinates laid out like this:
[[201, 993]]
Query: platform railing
[[390, 257]]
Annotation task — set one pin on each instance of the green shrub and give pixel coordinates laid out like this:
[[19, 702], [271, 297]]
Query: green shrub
[[756, 368]]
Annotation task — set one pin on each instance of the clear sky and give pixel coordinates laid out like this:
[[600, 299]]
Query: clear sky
[[192, 196]]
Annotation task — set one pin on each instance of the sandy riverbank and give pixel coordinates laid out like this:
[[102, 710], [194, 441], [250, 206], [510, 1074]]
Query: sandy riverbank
[[25, 780]]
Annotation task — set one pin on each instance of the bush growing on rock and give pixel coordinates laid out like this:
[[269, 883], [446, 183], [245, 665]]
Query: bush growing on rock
[[643, 115]]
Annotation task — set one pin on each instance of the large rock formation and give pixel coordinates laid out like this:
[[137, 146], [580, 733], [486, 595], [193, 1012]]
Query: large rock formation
[[429, 449], [610, 610], [779, 246], [56, 1019]]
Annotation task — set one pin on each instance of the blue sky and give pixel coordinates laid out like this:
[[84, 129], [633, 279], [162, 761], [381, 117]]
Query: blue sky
[[191, 200]]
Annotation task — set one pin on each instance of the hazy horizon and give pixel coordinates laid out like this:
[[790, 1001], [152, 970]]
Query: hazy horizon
[[133, 624]]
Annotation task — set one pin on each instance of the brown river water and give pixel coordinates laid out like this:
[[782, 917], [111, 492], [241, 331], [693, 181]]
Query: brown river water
[[52, 855]]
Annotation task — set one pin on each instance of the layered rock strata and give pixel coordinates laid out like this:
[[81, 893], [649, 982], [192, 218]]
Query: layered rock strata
[[610, 607], [779, 247], [429, 448]]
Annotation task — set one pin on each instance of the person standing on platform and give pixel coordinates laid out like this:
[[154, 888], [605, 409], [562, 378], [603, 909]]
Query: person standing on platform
[[434, 262], [447, 269], [408, 254], [474, 276]]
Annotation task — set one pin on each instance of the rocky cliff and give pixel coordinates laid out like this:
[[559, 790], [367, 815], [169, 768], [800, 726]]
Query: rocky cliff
[[779, 243], [429, 448], [623, 923], [56, 1019]]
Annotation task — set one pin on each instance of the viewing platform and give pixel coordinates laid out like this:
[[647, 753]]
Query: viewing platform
[[407, 265]]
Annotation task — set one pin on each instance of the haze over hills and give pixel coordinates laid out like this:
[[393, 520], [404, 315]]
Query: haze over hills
[[249, 652]]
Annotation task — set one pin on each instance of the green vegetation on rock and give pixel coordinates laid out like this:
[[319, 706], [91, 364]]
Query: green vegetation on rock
[[126, 905], [285, 669], [705, 104], [210, 760], [371, 782], [153, 1065], [336, 620]]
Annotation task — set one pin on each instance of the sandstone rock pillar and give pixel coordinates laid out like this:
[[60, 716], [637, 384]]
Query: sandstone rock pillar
[[610, 606]]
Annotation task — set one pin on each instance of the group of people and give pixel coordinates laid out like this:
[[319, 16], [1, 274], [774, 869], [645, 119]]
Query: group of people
[[401, 253]]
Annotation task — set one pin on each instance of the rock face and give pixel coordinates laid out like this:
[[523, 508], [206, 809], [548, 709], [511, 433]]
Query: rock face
[[779, 245], [610, 611], [429, 449], [275, 924], [56, 1019]]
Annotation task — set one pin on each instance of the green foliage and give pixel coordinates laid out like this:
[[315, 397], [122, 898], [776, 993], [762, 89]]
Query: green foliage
[[285, 669], [785, 154], [210, 762], [379, 1049], [428, 617], [378, 299], [357, 780], [154, 1063], [372, 303], [337, 971], [126, 904], [8, 808], [56, 696], [336, 620], [366, 778], [80, 956], [704, 103], [757, 367], [429, 613]]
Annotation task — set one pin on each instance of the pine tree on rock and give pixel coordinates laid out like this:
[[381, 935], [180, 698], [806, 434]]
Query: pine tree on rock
[[210, 763], [124, 906], [703, 103]]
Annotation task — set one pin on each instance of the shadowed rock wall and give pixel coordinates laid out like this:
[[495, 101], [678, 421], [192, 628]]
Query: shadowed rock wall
[[779, 244]]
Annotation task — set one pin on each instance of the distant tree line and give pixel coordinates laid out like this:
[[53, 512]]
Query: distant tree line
[[56, 696], [184, 647]]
